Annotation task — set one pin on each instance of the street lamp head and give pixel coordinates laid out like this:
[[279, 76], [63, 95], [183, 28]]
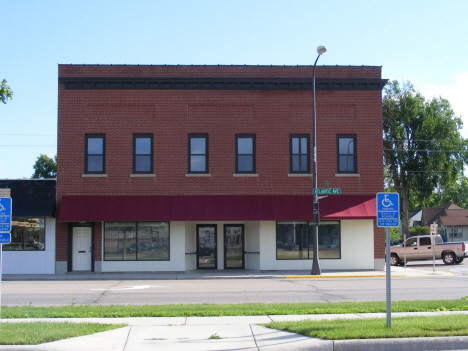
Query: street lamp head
[[321, 49]]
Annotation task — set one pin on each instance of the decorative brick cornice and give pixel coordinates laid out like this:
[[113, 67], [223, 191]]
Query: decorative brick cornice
[[219, 83]]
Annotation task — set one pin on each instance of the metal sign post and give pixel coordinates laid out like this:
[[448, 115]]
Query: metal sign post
[[404, 248], [388, 277], [388, 215], [433, 242]]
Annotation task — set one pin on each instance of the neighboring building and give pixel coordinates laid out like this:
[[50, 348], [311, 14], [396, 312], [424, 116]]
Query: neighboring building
[[430, 215], [32, 247], [454, 225], [415, 218], [452, 220], [175, 168]]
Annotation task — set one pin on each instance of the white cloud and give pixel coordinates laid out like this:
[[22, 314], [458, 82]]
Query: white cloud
[[456, 94]]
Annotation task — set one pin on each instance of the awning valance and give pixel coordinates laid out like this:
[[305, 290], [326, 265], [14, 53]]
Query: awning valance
[[213, 208]]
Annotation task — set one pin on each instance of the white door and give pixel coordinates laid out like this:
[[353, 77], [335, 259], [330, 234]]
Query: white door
[[81, 249]]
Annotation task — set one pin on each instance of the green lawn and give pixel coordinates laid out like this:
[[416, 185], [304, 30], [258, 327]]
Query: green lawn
[[376, 328], [34, 333], [254, 309], [37, 333]]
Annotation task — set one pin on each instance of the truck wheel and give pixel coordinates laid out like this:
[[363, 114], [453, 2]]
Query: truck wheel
[[449, 258], [394, 260], [459, 260]]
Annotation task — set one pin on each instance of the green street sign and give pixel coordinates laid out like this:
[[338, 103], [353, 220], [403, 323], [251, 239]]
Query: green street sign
[[327, 191]]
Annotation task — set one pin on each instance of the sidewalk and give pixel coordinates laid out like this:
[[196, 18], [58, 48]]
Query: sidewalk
[[396, 271], [235, 333]]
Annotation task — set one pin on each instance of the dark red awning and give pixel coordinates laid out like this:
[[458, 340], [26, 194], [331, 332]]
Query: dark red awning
[[348, 207], [213, 208]]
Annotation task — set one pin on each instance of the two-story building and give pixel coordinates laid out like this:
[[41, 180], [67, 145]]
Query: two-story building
[[175, 168]]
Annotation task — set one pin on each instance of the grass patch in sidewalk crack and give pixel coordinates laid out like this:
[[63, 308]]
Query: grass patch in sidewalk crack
[[214, 337]]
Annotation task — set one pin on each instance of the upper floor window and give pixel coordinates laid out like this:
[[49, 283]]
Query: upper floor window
[[245, 153], [198, 153], [142, 153], [300, 156], [346, 153], [94, 160]]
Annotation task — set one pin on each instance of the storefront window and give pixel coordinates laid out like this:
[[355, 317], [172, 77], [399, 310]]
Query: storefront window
[[291, 240], [141, 241], [328, 238], [27, 234], [294, 240]]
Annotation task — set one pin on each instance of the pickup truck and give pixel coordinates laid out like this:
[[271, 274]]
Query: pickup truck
[[419, 248]]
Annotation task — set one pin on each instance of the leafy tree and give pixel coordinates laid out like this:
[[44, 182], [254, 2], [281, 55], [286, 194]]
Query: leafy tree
[[45, 167], [458, 192], [395, 237], [417, 231], [423, 148], [5, 92]]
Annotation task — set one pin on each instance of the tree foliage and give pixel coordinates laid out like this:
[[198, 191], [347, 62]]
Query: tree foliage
[[45, 167], [417, 231], [5, 92], [423, 148], [458, 192]]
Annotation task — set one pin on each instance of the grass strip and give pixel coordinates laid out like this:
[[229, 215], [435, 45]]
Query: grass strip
[[253, 309], [34, 333], [376, 328]]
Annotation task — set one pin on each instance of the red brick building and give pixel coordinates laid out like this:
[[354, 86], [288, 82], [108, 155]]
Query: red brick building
[[174, 168]]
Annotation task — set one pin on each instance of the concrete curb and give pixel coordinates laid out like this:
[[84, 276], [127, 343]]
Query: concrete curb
[[445, 343], [351, 276], [253, 274]]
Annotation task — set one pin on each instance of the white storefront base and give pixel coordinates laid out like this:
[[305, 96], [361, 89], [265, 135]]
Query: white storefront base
[[183, 256], [33, 262], [175, 264], [251, 242], [357, 249]]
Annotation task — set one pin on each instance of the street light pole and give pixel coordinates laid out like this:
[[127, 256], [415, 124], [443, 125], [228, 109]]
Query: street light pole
[[315, 264]]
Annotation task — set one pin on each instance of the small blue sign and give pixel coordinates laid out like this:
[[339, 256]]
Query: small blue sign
[[5, 214], [5, 238], [388, 210]]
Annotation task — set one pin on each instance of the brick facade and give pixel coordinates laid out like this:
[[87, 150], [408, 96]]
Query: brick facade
[[170, 115]]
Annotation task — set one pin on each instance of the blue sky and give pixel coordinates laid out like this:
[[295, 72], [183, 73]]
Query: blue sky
[[420, 41]]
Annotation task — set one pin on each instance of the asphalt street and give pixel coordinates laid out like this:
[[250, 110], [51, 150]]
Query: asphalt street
[[451, 282]]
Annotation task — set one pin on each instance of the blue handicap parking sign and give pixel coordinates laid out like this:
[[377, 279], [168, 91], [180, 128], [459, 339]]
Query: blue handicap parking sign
[[388, 210], [5, 238], [5, 214]]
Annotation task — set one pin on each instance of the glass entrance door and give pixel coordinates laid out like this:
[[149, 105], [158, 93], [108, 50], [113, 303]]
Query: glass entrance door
[[234, 246], [206, 247]]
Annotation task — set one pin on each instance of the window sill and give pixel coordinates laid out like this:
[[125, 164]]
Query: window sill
[[299, 175], [143, 175], [201, 175], [351, 175], [97, 175], [240, 175]]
